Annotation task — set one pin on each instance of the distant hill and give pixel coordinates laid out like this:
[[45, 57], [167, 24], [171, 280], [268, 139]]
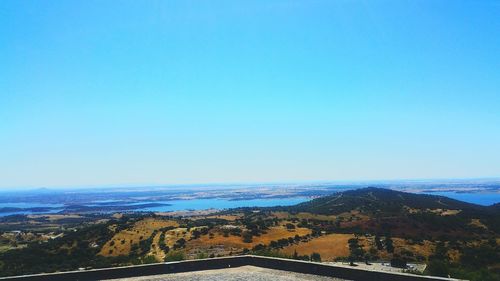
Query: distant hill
[[495, 208], [372, 199], [405, 214]]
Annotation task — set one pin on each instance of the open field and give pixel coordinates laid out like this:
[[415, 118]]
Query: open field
[[122, 242], [155, 249], [272, 234], [303, 215], [55, 217], [329, 246]]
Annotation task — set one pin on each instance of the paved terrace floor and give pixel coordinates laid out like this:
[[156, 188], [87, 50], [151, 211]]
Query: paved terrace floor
[[243, 273]]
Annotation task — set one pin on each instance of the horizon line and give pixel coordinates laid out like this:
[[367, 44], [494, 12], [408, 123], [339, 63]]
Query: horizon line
[[209, 184]]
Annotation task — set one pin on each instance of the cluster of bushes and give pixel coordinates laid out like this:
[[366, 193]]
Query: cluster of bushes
[[356, 250], [247, 237], [175, 256], [328, 226], [70, 252], [235, 231], [207, 222], [435, 222], [161, 243], [196, 233], [145, 244], [179, 244], [389, 245], [281, 243], [474, 262], [261, 250], [257, 227]]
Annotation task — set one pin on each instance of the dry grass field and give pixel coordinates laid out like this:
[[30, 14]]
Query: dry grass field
[[231, 217], [236, 242], [155, 249], [217, 242], [173, 235], [122, 242], [426, 248], [55, 217], [309, 216], [329, 246], [477, 223]]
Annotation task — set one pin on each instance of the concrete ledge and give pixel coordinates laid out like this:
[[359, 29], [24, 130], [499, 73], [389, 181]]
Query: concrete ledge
[[226, 262]]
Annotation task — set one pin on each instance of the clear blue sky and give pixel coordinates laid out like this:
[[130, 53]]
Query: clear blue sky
[[158, 92]]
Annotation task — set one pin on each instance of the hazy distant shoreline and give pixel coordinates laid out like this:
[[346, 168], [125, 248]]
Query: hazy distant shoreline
[[165, 199]]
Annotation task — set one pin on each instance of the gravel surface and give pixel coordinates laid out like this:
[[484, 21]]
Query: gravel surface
[[243, 273]]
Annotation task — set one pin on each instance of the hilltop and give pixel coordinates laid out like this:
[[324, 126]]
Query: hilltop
[[382, 210], [381, 200]]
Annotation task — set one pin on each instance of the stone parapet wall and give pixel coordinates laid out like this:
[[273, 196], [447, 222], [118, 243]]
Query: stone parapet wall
[[348, 273]]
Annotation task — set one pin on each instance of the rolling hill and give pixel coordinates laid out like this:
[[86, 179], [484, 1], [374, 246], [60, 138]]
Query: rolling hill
[[405, 214], [372, 199]]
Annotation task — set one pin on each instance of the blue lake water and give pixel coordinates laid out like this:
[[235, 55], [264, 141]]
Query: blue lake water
[[176, 205], [29, 205], [484, 199], [202, 204]]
